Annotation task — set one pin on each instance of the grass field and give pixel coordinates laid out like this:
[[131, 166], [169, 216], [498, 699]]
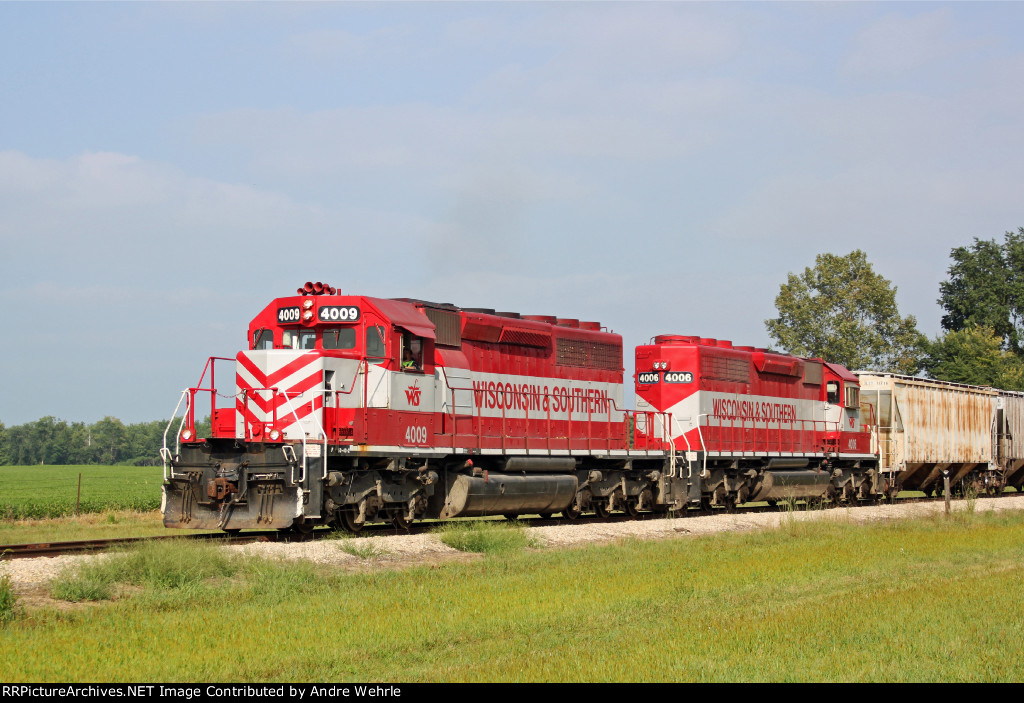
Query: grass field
[[110, 524], [925, 600], [50, 491]]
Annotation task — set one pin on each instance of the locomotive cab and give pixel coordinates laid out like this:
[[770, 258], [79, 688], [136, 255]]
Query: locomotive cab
[[321, 367]]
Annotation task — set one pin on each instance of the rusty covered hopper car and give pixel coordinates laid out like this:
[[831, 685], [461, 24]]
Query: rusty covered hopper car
[[1010, 428], [924, 427]]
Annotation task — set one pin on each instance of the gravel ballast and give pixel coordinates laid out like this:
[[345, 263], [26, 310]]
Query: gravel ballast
[[398, 551]]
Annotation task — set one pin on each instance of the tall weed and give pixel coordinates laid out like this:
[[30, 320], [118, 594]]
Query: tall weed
[[485, 537], [8, 600], [170, 564], [360, 548]]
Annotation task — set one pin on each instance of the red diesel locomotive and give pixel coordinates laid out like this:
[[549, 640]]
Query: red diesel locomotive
[[351, 409], [764, 425]]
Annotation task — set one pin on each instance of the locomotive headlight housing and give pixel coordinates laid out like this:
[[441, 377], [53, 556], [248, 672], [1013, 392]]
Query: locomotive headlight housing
[[275, 435], [307, 304], [186, 435], [308, 315]]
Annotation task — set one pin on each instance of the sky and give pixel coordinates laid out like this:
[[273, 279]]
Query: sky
[[167, 169]]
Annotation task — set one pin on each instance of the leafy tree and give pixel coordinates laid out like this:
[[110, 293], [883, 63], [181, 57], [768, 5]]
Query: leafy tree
[[109, 440], [842, 311], [975, 355], [986, 288]]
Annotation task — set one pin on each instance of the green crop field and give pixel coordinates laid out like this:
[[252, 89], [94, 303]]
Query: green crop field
[[924, 600], [51, 491]]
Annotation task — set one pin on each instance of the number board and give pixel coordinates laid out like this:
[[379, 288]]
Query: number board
[[649, 377], [338, 313], [292, 314], [678, 377]]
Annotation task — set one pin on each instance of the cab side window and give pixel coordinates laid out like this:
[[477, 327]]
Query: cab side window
[[263, 339], [412, 353], [852, 396]]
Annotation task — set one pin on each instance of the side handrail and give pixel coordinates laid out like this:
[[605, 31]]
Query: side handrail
[[476, 412], [732, 437], [704, 449], [165, 453], [302, 437]]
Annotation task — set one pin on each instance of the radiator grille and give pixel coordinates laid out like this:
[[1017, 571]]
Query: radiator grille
[[448, 326], [725, 369], [587, 354]]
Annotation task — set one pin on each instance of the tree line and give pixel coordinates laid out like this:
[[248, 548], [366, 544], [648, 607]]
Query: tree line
[[49, 440], [842, 311]]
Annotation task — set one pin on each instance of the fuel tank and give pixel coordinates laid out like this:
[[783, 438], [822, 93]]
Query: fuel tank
[[779, 485], [498, 494]]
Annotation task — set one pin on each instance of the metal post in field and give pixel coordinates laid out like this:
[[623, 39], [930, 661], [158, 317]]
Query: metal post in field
[[945, 485], [78, 500]]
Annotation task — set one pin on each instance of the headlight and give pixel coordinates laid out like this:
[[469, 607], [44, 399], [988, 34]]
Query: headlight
[[275, 435], [186, 435]]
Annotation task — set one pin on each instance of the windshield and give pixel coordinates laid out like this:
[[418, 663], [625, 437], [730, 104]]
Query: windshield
[[339, 338], [301, 339]]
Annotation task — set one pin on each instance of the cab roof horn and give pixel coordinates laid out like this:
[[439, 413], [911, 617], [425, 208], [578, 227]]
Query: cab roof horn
[[317, 288]]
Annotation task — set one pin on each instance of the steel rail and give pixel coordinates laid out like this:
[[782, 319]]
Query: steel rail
[[55, 549]]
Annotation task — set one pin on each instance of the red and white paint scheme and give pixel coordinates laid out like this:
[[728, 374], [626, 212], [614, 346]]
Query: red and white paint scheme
[[376, 374], [731, 401], [351, 409]]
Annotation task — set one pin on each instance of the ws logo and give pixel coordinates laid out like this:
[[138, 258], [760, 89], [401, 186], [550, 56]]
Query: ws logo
[[412, 395]]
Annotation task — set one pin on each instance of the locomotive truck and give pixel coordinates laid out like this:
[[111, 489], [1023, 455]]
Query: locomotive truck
[[345, 410]]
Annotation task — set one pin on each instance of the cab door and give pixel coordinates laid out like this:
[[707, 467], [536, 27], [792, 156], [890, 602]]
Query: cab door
[[412, 393]]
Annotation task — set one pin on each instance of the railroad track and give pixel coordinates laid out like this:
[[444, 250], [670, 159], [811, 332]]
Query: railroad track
[[54, 549]]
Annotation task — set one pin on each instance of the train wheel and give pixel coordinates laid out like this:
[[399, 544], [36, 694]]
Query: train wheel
[[400, 520], [511, 516], [302, 529], [631, 508], [730, 504], [705, 503], [601, 509], [864, 493], [573, 512], [347, 520]]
